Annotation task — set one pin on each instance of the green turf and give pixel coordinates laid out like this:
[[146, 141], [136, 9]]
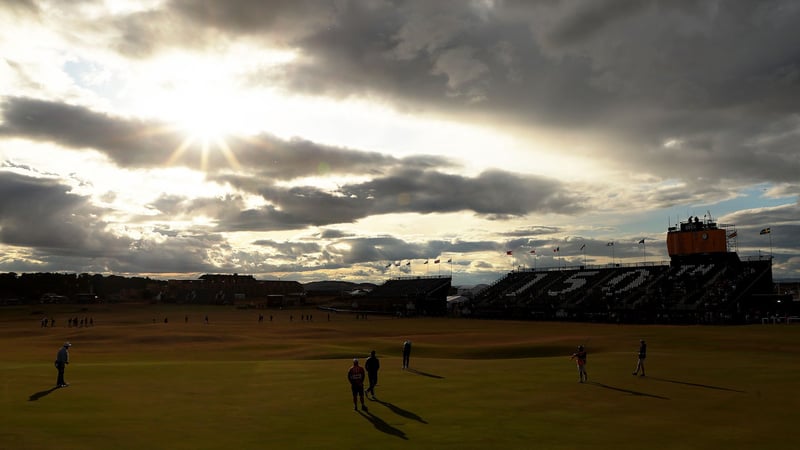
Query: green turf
[[235, 383]]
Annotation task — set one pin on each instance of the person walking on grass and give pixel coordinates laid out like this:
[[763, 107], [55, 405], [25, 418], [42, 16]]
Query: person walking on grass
[[62, 359], [642, 356], [406, 353], [356, 378], [580, 357], [372, 365]]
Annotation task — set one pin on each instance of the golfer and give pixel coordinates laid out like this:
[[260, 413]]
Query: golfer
[[62, 359], [580, 357], [356, 378], [372, 365], [406, 353], [642, 356]]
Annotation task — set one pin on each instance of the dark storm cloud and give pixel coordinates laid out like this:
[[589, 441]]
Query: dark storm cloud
[[493, 194], [286, 159], [254, 16], [44, 214], [586, 21], [289, 249], [385, 249], [532, 231], [127, 142], [333, 234]]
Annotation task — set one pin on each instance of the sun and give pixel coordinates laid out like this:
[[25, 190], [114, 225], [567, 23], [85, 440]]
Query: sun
[[206, 124]]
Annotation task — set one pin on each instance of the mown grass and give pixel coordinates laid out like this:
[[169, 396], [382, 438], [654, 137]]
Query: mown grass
[[235, 383]]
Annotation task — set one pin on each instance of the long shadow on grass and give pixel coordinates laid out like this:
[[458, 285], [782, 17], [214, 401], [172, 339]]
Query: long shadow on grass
[[613, 388], [41, 394], [425, 374], [381, 425], [400, 411], [697, 385]]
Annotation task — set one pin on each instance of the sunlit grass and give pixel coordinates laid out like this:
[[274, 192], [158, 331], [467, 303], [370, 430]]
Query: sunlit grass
[[235, 383]]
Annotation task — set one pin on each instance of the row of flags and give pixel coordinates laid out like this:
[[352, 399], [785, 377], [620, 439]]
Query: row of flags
[[558, 249], [408, 263], [611, 244], [763, 231]]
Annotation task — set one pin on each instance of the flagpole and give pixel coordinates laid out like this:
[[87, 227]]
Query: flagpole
[[770, 243], [611, 244]]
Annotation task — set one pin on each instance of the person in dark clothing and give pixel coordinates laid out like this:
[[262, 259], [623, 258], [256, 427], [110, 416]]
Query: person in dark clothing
[[356, 378], [372, 365], [62, 359], [642, 356], [406, 353], [580, 357]]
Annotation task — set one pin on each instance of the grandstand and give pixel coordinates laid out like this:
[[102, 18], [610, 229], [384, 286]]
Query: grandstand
[[408, 296], [704, 283]]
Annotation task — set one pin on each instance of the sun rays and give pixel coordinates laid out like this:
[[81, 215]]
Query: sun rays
[[206, 145]]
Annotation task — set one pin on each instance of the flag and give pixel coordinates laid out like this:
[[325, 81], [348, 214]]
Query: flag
[[642, 241], [583, 246], [509, 253], [609, 244], [733, 235], [765, 231], [436, 262], [426, 262]]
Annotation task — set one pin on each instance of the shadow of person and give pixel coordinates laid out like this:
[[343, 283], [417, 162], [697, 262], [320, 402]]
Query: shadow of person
[[41, 394], [400, 411], [424, 374], [381, 425], [707, 386], [614, 388]]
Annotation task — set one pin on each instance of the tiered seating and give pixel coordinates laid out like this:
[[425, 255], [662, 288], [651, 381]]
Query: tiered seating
[[688, 291]]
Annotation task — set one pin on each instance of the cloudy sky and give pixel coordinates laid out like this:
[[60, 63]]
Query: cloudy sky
[[313, 140]]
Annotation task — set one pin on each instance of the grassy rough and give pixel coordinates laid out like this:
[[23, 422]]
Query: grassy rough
[[474, 384]]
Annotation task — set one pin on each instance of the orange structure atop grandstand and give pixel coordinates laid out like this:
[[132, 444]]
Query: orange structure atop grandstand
[[696, 237]]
